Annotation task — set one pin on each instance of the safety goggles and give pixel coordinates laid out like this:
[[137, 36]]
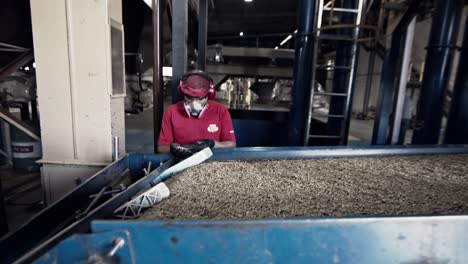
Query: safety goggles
[[192, 98]]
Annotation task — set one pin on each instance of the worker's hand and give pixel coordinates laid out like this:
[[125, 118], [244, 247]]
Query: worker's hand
[[180, 151], [200, 145]]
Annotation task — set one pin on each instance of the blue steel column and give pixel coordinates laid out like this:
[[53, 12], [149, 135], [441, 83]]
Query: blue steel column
[[202, 31], [389, 73], [159, 8], [387, 88], [442, 42], [370, 75], [302, 73], [179, 45], [457, 127]]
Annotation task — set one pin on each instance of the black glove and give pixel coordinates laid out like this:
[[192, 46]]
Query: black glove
[[180, 151], [200, 145]]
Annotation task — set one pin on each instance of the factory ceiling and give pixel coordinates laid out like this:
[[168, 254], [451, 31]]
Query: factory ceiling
[[270, 21], [263, 23]]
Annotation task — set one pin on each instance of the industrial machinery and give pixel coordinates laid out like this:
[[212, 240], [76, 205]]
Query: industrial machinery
[[139, 95], [18, 88], [389, 239], [81, 226]]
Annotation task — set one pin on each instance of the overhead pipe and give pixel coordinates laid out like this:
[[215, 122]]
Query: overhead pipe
[[303, 60], [159, 6], [442, 40], [457, 126]]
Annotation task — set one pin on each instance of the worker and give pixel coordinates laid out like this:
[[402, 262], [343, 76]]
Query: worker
[[196, 122]]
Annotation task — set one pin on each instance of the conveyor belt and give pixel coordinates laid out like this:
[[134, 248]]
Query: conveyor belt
[[390, 186]]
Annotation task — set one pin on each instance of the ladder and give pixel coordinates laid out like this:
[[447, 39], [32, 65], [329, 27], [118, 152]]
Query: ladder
[[324, 11]]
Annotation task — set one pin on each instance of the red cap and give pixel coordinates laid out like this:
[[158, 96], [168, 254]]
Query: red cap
[[195, 85]]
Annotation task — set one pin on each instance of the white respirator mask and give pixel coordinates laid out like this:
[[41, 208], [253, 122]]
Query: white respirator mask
[[194, 108]]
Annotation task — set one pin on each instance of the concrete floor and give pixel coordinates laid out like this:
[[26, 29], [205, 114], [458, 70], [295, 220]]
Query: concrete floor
[[361, 131]]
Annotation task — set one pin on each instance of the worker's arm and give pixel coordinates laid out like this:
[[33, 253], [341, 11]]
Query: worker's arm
[[163, 149], [166, 135], [225, 144]]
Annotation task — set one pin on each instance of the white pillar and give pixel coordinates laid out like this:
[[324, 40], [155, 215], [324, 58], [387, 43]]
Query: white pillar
[[78, 48], [405, 69]]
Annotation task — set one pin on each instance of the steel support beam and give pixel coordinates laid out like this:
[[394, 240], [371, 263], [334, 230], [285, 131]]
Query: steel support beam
[[370, 75], [202, 33], [401, 94], [457, 127], [251, 70], [387, 88], [388, 80], [442, 41], [256, 52], [179, 45], [22, 60], [158, 13], [24, 127], [302, 73]]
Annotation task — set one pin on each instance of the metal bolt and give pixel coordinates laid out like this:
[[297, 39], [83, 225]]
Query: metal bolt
[[117, 243]]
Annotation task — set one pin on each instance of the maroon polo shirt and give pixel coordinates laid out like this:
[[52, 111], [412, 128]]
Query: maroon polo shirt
[[179, 127]]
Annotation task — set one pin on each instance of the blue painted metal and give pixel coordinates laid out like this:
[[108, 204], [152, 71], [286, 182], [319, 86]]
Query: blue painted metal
[[440, 239], [260, 133], [179, 46], [442, 40], [266, 153], [302, 73], [202, 33], [457, 126], [387, 90], [16, 244], [103, 211], [260, 128], [56, 216], [138, 161], [259, 153], [79, 248], [390, 77], [159, 8]]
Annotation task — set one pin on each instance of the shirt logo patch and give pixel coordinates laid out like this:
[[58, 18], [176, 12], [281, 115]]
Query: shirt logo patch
[[213, 128]]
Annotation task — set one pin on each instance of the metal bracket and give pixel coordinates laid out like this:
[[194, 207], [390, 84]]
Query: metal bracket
[[105, 247], [133, 208]]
